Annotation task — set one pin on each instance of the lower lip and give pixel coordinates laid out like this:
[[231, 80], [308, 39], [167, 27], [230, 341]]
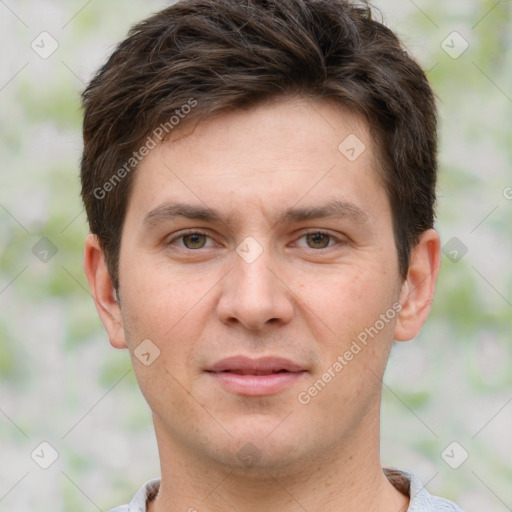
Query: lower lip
[[256, 385]]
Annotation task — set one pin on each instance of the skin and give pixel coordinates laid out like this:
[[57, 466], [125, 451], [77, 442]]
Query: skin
[[303, 298]]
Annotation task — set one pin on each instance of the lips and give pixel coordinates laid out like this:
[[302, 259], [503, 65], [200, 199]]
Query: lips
[[251, 372], [256, 377], [243, 365]]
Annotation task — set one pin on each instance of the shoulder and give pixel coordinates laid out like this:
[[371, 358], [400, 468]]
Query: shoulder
[[420, 499], [138, 503], [443, 505]]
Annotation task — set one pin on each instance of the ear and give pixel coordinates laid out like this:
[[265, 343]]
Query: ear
[[103, 291], [418, 288]]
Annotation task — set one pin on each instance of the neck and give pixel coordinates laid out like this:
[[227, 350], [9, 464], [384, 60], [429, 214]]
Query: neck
[[346, 477]]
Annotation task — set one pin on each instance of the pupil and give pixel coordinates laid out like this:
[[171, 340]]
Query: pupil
[[318, 237], [194, 239]]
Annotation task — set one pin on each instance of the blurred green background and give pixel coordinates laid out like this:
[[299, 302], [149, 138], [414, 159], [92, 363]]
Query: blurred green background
[[62, 383]]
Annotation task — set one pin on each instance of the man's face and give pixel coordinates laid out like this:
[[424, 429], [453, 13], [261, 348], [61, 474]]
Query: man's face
[[258, 284]]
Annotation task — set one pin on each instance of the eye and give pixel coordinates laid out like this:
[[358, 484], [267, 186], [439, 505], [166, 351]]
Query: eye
[[318, 239], [192, 240]]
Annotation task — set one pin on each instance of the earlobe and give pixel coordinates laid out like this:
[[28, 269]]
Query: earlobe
[[418, 288], [103, 292]]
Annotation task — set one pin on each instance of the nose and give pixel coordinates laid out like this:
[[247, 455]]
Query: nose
[[255, 293]]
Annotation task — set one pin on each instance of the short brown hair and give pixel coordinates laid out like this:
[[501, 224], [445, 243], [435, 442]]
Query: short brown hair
[[198, 57]]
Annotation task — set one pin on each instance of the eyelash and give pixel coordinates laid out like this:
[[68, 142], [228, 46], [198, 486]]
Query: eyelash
[[199, 232]]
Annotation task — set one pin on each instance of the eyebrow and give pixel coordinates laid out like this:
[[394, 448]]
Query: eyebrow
[[336, 208]]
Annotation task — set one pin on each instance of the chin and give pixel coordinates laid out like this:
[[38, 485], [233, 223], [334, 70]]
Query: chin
[[263, 443]]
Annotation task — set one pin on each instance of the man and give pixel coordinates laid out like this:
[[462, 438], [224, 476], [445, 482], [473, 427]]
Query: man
[[259, 179]]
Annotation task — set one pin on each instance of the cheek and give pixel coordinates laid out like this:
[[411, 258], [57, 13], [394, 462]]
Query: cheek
[[157, 298], [349, 299], [163, 316], [354, 358], [168, 308]]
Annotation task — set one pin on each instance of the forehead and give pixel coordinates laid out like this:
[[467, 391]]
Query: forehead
[[280, 153], [280, 126]]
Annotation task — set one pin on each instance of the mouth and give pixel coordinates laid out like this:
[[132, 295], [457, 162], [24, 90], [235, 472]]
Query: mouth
[[245, 365], [256, 377], [250, 372]]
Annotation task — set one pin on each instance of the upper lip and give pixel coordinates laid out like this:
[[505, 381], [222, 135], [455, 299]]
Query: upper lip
[[248, 365]]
